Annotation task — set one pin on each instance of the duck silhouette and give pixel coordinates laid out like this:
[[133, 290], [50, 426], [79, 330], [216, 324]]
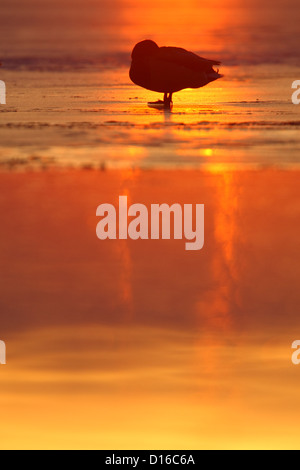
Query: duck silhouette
[[169, 69]]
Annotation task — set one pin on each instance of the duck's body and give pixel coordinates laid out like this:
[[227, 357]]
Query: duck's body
[[170, 69]]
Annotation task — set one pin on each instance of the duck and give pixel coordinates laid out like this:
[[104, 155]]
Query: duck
[[169, 70]]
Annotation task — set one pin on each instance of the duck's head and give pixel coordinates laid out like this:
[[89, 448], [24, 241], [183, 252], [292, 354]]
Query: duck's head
[[144, 49]]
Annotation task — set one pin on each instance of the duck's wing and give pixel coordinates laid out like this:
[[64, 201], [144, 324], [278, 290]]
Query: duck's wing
[[185, 58]]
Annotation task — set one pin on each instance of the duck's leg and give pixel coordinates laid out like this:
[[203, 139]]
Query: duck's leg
[[168, 100]]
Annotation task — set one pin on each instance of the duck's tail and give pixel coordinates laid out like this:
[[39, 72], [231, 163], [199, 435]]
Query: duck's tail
[[214, 75]]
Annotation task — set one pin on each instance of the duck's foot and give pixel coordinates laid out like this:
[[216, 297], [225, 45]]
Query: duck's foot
[[157, 104], [160, 105], [166, 104]]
